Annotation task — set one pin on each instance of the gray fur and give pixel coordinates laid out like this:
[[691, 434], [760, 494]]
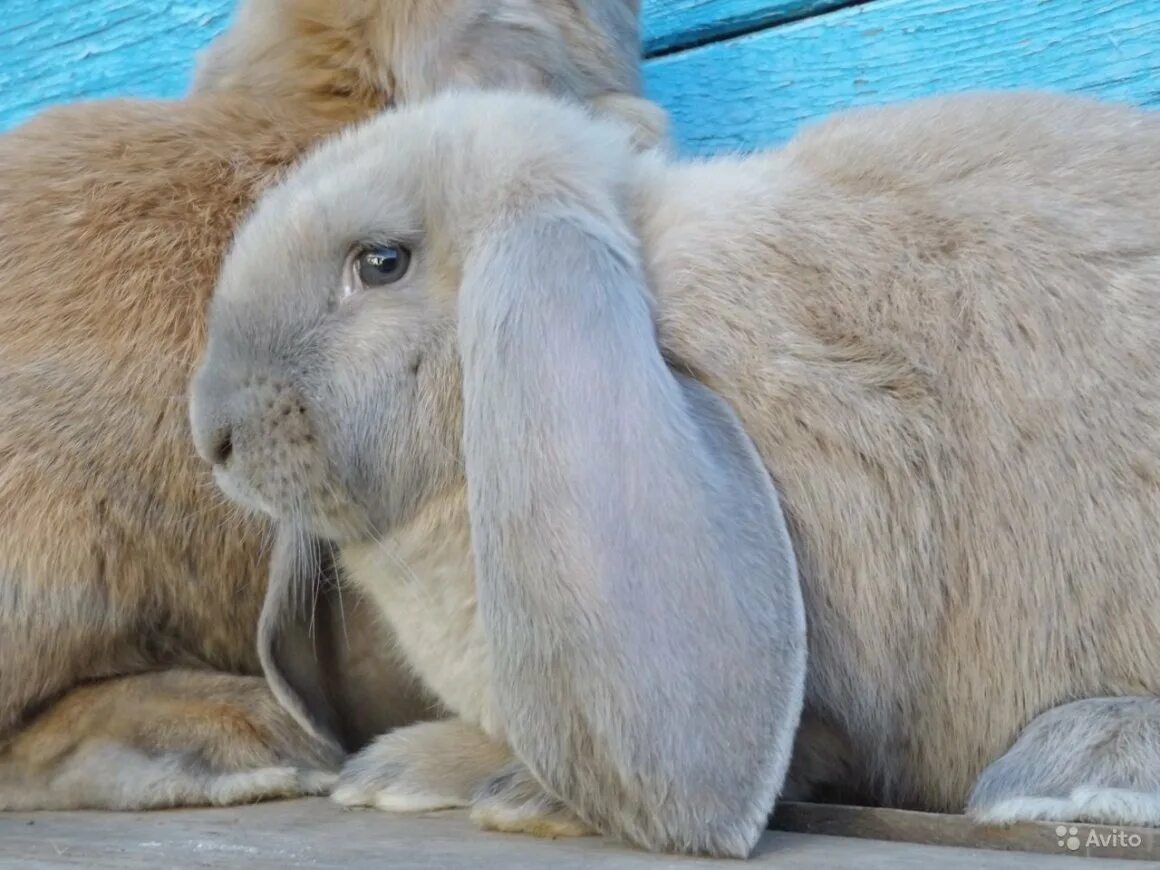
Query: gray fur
[[296, 620], [936, 326], [1096, 760], [635, 576], [673, 736]]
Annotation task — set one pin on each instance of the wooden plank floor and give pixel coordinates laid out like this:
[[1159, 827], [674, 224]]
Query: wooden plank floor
[[904, 826], [316, 833]]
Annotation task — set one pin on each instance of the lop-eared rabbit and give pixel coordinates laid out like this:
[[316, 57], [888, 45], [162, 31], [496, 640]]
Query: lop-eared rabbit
[[533, 386], [129, 591]]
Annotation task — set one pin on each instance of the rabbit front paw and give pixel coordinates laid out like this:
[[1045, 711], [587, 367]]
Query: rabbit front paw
[[420, 768]]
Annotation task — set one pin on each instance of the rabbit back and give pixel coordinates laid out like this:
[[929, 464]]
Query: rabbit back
[[938, 322]]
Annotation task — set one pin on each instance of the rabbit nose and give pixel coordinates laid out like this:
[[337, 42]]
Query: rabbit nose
[[221, 446]]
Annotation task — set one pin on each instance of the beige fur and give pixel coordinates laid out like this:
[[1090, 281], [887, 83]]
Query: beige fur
[[938, 325], [144, 724], [117, 558], [421, 581]]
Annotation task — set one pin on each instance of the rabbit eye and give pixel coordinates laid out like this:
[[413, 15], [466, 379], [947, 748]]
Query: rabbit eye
[[379, 265]]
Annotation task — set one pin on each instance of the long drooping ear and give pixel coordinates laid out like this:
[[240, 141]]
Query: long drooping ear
[[648, 122], [294, 635], [636, 579]]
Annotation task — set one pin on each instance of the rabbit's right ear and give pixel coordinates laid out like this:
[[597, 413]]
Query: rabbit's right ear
[[294, 632], [647, 120], [634, 571]]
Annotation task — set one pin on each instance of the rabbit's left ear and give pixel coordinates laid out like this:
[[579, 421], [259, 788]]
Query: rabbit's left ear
[[326, 656], [635, 575], [294, 634]]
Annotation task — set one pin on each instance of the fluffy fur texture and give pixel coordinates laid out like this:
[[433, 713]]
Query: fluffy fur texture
[[936, 323], [639, 638], [117, 556], [1096, 760]]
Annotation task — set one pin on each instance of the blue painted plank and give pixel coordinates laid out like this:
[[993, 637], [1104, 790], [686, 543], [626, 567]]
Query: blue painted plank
[[756, 90], [54, 51], [669, 25], [748, 91]]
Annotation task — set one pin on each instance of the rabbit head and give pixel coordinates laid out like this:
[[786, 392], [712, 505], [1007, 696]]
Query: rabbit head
[[341, 411], [345, 58], [451, 298]]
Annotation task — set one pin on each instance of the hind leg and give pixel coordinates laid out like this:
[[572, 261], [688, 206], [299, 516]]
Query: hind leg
[[162, 739], [1096, 760]]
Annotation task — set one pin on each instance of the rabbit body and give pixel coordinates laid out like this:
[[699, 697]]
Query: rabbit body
[[938, 323], [117, 557], [935, 322]]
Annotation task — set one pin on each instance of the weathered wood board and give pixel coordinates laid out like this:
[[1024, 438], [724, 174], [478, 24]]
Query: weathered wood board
[[672, 25], [756, 90], [317, 834], [54, 51], [903, 826]]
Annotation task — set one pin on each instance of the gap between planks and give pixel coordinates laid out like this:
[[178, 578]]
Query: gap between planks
[[671, 26], [907, 826]]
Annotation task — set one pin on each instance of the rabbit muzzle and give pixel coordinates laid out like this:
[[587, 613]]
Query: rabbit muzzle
[[259, 435]]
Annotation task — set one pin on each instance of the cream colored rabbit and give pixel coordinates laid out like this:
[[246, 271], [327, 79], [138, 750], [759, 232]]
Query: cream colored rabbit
[[439, 345], [129, 593]]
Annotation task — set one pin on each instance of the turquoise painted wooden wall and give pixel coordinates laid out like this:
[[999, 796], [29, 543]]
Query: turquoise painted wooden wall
[[734, 73]]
